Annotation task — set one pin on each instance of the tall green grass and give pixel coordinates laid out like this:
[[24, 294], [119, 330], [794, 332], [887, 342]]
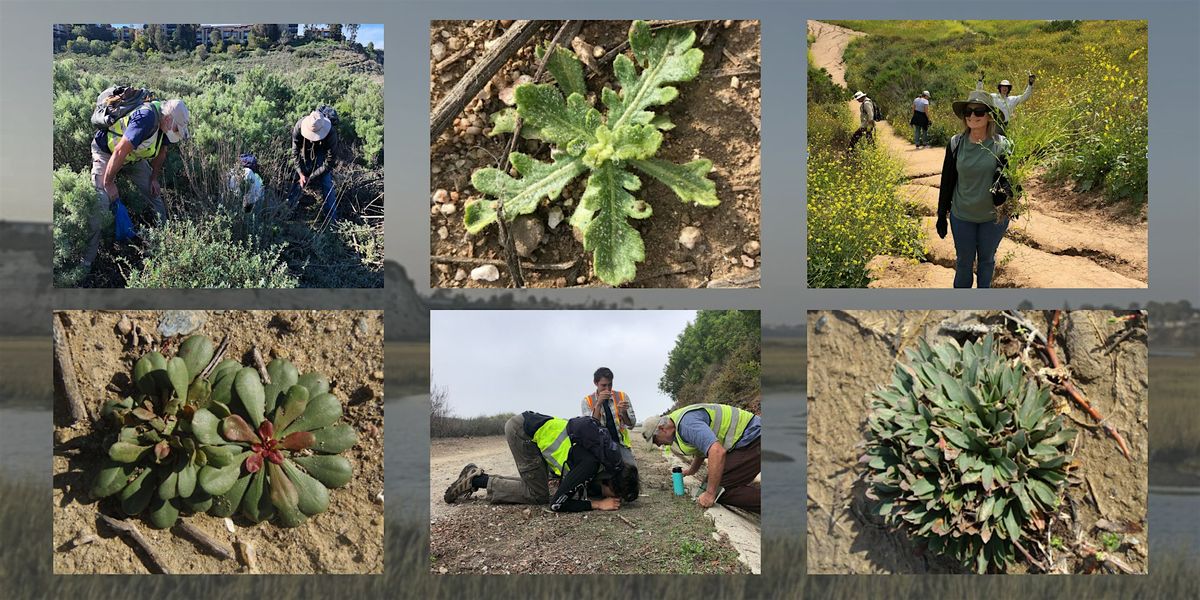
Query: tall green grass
[[1174, 389]]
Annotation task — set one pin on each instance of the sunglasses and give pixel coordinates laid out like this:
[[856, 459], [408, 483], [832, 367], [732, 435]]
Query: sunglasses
[[979, 112]]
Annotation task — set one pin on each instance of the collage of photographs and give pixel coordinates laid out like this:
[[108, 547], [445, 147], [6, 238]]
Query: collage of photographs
[[228, 418]]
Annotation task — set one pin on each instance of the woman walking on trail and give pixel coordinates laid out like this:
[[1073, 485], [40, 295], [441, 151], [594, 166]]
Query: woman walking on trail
[[972, 188], [920, 120]]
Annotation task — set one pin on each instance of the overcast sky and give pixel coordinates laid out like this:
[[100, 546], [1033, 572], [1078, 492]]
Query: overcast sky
[[511, 361]]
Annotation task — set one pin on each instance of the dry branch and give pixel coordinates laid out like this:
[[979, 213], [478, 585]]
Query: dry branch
[[130, 531], [1077, 396], [66, 370], [203, 540]]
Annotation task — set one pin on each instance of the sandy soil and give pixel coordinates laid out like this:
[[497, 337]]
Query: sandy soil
[[348, 538], [657, 534], [1065, 240], [712, 119], [852, 352]]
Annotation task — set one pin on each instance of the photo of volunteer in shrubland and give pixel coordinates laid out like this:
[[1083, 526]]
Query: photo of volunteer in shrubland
[[560, 459]]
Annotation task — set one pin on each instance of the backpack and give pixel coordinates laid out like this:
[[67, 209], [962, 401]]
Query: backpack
[[115, 102], [329, 113], [878, 116]]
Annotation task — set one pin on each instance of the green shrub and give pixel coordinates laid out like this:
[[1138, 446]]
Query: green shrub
[[74, 198], [203, 253], [347, 255], [966, 453]]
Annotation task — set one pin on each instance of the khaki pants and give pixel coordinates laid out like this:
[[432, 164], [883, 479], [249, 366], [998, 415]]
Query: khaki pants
[[139, 172], [532, 487]]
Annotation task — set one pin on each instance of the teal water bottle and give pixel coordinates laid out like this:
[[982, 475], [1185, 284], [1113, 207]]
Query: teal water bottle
[[677, 479]]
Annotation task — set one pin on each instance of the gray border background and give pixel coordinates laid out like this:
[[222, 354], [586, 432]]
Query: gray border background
[[25, 155]]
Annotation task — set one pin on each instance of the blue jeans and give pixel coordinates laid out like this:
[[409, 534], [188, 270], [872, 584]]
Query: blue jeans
[[920, 135], [328, 194], [972, 240]]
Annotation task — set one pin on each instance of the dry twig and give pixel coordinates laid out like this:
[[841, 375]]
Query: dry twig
[[66, 370], [130, 531], [1078, 397], [203, 540]]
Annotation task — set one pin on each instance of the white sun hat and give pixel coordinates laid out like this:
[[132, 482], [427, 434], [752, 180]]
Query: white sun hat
[[315, 126]]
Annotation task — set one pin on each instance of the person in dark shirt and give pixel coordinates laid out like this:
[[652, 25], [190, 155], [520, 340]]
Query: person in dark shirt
[[135, 145], [314, 150], [580, 451]]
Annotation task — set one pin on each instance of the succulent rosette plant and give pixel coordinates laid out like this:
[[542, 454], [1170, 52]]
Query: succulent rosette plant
[[189, 444], [966, 453]]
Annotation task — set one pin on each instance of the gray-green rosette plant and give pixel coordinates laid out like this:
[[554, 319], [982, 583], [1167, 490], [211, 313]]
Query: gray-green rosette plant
[[606, 147], [966, 453], [195, 450]]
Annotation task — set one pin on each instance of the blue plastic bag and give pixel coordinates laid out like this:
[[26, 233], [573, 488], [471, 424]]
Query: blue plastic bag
[[121, 221]]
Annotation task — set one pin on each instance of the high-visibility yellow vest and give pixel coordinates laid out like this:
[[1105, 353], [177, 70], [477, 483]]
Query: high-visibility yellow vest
[[551, 439], [148, 149], [622, 430], [727, 423]]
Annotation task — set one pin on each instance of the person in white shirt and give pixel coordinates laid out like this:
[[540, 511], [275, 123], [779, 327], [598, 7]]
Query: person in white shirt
[[1004, 103], [246, 181], [920, 120]]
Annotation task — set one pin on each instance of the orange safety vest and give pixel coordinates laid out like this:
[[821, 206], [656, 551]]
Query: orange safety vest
[[621, 428]]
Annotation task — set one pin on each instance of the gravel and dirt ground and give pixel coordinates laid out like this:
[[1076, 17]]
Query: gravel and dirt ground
[[852, 352], [657, 534], [715, 117], [1065, 240], [347, 346]]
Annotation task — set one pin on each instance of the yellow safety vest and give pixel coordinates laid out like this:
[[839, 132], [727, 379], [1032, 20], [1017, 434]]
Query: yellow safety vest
[[621, 428], [148, 149], [551, 439], [727, 423]]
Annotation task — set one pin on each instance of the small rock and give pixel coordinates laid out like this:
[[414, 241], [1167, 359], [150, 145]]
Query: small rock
[[378, 375], [485, 273], [747, 262], [441, 196], [448, 209], [505, 23], [508, 95], [689, 237], [752, 248], [527, 234], [460, 275], [581, 280], [734, 82], [597, 51], [379, 498], [362, 327], [555, 217], [229, 526], [180, 322], [443, 233], [443, 570], [755, 93], [124, 326], [437, 50], [527, 512], [472, 131], [455, 43]]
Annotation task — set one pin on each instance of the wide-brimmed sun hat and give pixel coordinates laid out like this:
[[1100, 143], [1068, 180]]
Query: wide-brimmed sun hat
[[315, 126], [975, 97], [859, 95]]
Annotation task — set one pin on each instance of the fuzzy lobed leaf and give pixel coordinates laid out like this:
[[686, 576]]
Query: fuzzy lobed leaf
[[520, 196], [690, 181], [570, 123], [666, 56], [615, 245]]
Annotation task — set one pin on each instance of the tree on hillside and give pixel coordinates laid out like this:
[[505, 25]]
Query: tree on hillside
[[285, 35], [266, 31], [157, 34], [715, 358], [351, 32], [214, 40], [309, 31], [184, 37], [335, 32], [91, 31]]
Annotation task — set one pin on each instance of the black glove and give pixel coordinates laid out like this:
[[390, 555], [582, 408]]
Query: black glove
[[1031, 78], [942, 226]]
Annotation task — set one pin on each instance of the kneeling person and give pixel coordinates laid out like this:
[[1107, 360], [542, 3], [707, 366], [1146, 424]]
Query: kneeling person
[[727, 436], [579, 451]]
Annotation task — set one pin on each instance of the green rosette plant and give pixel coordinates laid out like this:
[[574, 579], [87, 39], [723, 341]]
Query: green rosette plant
[[184, 442], [605, 147], [966, 453], [273, 449]]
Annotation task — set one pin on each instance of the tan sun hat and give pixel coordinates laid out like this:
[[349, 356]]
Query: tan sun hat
[[975, 97], [315, 127], [650, 425]]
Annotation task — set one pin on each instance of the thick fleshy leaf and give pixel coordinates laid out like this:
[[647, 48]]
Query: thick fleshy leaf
[[256, 503], [196, 352], [538, 181], [169, 487], [222, 381], [220, 480], [161, 450], [187, 479], [292, 406], [299, 440], [284, 497], [144, 373], [198, 502], [570, 122], [199, 393], [566, 69], [331, 470], [322, 411], [254, 462], [666, 56], [315, 383], [690, 181], [177, 372], [616, 246], [235, 429], [248, 390], [136, 496], [125, 452], [112, 478], [313, 497], [334, 439], [283, 376], [163, 513], [220, 456], [204, 427], [226, 504]]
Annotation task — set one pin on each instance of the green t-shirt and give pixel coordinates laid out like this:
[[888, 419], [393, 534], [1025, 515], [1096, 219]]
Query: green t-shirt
[[976, 172]]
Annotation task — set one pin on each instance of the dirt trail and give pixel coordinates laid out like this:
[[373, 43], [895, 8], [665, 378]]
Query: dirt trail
[[657, 534], [1054, 245]]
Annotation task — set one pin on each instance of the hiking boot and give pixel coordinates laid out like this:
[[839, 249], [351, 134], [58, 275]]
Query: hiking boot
[[462, 486]]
